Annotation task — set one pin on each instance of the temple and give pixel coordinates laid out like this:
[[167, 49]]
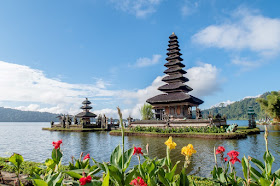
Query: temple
[[175, 103], [86, 114]]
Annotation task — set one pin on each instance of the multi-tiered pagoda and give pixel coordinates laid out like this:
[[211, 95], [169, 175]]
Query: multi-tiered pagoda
[[175, 102], [86, 114]]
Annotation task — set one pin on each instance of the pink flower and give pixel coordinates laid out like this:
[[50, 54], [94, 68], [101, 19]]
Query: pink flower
[[138, 182], [233, 154], [137, 151], [225, 159], [85, 180], [86, 157], [57, 144], [235, 159], [220, 149]]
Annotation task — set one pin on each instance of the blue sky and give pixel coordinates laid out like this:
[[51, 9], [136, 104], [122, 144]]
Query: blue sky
[[53, 54]]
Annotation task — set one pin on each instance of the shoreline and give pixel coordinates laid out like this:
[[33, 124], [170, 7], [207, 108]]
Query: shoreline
[[76, 129], [242, 133]]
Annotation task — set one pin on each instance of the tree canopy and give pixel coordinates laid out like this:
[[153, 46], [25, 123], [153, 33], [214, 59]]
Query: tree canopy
[[271, 105], [147, 112]]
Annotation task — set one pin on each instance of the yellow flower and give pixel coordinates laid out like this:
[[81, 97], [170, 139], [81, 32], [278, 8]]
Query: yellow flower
[[170, 144], [188, 150]]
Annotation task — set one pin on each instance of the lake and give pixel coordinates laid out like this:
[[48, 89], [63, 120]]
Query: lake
[[34, 144]]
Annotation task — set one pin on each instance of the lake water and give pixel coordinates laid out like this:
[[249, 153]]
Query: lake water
[[34, 144]]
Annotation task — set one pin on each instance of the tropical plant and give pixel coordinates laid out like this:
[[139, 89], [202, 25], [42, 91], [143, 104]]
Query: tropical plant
[[147, 112], [271, 105], [16, 160]]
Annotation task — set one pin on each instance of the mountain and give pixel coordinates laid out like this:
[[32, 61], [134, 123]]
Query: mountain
[[238, 109], [13, 115]]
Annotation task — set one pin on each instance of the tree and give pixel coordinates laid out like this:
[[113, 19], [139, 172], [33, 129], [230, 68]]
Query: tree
[[147, 112], [271, 105]]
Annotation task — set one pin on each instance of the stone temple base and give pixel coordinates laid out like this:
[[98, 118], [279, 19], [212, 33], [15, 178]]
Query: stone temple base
[[179, 123]]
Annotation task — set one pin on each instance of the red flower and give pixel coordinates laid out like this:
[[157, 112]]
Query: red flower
[[138, 182], [220, 149], [233, 154], [137, 151], [235, 159], [57, 144], [85, 180], [87, 157], [225, 159]]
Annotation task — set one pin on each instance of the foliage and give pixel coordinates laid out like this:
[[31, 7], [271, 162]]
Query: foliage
[[271, 105], [261, 175], [213, 129], [147, 112], [237, 110]]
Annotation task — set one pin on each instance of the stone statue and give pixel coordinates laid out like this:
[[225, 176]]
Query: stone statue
[[198, 113], [190, 113], [75, 120], [63, 121], [232, 128]]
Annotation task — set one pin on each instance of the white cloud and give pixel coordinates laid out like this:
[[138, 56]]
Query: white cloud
[[223, 104], [144, 61], [189, 7], [204, 79], [257, 96], [140, 8], [29, 89], [246, 64], [247, 30]]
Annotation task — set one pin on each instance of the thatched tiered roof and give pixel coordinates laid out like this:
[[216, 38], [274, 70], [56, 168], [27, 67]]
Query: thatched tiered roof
[[86, 113], [175, 90]]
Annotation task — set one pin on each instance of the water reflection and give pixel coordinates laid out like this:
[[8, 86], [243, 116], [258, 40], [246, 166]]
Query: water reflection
[[35, 144]]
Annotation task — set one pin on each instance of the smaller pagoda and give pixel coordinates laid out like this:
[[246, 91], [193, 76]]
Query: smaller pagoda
[[86, 114], [252, 117]]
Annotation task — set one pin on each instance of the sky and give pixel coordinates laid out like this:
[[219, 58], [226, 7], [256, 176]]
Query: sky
[[54, 54]]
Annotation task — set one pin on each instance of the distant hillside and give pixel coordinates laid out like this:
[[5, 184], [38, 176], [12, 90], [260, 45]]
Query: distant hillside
[[13, 115], [238, 109]]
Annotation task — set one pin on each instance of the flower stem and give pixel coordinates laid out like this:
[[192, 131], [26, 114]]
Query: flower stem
[[121, 122], [168, 158]]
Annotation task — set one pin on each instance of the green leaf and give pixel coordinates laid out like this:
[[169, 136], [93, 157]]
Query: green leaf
[[245, 165], [115, 174], [100, 165], [259, 164], [50, 163], [107, 177], [255, 175], [184, 181], [116, 156], [127, 158], [38, 182], [268, 159], [129, 176], [151, 168], [94, 169], [56, 155], [170, 175], [16, 160], [74, 174], [161, 177], [265, 182]]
